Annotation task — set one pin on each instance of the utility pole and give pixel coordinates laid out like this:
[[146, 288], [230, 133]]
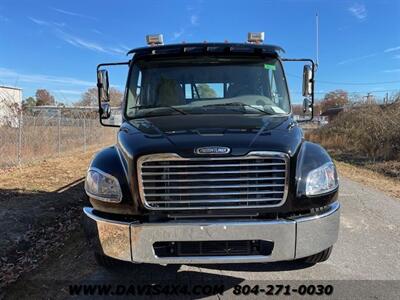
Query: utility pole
[[317, 39], [368, 98]]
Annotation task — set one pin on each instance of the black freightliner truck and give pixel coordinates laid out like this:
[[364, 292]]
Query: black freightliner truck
[[209, 164]]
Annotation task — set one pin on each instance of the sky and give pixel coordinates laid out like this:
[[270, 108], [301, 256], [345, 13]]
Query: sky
[[57, 44]]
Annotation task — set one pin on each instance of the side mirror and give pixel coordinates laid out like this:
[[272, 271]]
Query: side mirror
[[103, 85], [105, 111], [307, 104], [307, 80]]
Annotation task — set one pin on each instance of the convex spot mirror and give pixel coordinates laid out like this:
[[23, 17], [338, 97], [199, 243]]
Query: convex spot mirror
[[103, 85], [307, 104], [307, 80], [105, 112]]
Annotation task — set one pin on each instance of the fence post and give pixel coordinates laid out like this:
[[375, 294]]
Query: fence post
[[20, 124], [59, 132], [84, 132]]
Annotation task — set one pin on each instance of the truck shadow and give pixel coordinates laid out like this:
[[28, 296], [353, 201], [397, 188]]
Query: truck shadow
[[260, 267]]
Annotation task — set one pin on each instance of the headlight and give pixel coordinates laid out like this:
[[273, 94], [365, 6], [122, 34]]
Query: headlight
[[102, 186], [322, 180]]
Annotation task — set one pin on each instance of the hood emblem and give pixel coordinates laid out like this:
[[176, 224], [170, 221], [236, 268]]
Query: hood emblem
[[213, 150]]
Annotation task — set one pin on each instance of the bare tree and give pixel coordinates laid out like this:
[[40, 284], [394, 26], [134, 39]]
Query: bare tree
[[43, 97], [337, 98], [90, 97]]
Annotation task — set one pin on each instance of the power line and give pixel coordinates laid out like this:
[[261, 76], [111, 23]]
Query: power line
[[353, 92], [347, 83], [358, 83]]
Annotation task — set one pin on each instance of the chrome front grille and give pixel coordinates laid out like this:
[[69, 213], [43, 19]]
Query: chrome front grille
[[170, 182]]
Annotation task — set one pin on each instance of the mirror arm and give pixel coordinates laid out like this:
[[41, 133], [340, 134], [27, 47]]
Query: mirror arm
[[98, 89]]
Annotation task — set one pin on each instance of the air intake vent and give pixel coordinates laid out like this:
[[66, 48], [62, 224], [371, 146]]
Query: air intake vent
[[213, 248]]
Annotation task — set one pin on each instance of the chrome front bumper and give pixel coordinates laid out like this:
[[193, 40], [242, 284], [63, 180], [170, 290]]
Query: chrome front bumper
[[293, 238]]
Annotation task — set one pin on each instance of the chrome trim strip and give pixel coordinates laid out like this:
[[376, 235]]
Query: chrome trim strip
[[89, 212], [330, 209], [175, 157]]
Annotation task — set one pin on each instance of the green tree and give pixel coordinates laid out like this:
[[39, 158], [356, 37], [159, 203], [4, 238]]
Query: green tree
[[28, 102], [205, 91]]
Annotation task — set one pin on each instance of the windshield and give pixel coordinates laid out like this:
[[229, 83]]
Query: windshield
[[203, 85]]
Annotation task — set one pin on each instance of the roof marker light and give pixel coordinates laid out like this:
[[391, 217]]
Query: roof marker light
[[154, 39], [255, 37]]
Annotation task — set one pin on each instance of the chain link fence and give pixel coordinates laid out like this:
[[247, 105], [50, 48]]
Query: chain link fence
[[44, 132]]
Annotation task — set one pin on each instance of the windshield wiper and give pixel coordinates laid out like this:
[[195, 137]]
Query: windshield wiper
[[238, 104], [158, 107]]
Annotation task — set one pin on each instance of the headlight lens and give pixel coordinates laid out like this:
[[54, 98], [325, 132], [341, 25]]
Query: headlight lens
[[322, 180], [102, 186]]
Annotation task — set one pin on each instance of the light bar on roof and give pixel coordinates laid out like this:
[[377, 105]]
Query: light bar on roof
[[255, 37], [154, 39]]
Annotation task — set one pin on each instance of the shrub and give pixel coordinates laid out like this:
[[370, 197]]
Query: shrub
[[372, 131]]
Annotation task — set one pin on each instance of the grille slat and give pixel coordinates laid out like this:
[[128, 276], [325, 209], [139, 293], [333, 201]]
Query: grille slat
[[212, 172], [169, 182], [172, 187], [214, 179], [214, 193], [212, 165]]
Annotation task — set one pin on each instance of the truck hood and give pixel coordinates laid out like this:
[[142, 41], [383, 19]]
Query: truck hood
[[183, 133]]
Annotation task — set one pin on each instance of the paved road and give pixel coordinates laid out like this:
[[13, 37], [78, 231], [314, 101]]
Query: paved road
[[368, 249]]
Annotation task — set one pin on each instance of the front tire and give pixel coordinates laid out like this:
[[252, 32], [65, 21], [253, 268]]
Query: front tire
[[319, 257]]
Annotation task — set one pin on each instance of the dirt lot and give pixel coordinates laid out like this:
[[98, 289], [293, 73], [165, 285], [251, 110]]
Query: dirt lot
[[44, 246], [40, 207]]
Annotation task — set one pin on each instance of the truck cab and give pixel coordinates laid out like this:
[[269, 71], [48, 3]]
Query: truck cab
[[209, 164]]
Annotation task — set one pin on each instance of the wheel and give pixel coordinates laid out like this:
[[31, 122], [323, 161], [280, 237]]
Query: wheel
[[319, 257], [109, 262]]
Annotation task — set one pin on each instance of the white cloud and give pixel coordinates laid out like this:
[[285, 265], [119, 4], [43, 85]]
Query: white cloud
[[86, 44], [194, 20], [70, 92], [178, 34], [42, 79], [97, 31], [81, 43], [397, 56], [350, 60], [46, 23], [118, 50], [392, 71], [78, 41], [74, 14], [125, 47], [39, 22], [358, 10], [392, 49]]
